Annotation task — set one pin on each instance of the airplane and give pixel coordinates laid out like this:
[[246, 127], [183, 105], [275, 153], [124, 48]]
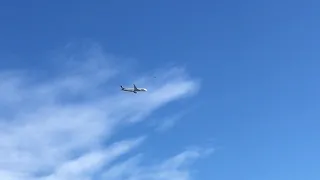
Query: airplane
[[134, 89]]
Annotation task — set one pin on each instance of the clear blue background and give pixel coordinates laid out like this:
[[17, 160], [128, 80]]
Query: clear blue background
[[258, 61]]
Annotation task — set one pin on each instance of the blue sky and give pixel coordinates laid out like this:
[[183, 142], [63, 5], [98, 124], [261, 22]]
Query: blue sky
[[249, 70]]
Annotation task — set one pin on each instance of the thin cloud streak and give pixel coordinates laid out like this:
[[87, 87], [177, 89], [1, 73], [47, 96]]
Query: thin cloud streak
[[47, 133]]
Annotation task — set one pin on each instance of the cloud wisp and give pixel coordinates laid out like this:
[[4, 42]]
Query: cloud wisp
[[56, 128]]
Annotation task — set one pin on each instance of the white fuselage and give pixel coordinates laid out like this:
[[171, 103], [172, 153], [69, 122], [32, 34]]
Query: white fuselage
[[134, 90]]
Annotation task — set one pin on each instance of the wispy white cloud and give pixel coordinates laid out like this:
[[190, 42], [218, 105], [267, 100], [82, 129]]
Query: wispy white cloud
[[176, 167], [169, 122], [56, 128], [165, 123]]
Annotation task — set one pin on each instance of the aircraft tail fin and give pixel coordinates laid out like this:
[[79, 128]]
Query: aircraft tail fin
[[122, 87]]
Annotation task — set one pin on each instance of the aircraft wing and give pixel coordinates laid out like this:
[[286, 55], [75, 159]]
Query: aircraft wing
[[135, 87]]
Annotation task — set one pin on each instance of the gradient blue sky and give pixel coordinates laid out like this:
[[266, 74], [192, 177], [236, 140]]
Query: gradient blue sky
[[257, 61]]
